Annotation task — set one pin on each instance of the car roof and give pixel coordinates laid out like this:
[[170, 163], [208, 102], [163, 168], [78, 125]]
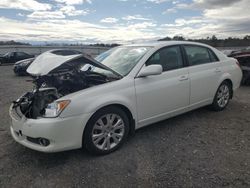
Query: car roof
[[166, 43]]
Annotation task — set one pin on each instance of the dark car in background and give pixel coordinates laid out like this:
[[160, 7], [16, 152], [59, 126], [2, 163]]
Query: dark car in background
[[20, 67], [13, 57], [243, 57]]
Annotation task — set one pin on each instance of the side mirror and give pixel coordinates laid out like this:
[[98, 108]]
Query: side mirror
[[150, 70]]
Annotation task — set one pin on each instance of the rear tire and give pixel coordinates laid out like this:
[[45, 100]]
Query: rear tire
[[106, 131], [222, 96]]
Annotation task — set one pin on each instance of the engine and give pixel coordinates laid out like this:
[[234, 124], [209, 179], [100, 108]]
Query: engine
[[53, 86], [33, 104]]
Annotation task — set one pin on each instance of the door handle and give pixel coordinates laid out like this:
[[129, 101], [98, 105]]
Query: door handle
[[217, 70], [183, 78]]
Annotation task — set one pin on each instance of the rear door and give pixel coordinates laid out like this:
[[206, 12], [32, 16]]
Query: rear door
[[204, 71], [161, 96]]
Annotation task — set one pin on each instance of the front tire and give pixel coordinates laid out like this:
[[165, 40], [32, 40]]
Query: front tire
[[106, 131], [222, 97]]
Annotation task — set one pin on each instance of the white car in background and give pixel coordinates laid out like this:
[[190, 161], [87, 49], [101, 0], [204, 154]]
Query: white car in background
[[81, 102]]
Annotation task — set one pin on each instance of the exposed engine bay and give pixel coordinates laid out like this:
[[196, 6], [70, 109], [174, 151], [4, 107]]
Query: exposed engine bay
[[63, 80], [67, 81]]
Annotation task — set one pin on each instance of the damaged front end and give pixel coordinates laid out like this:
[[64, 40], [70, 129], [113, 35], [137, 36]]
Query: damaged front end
[[33, 104], [55, 76]]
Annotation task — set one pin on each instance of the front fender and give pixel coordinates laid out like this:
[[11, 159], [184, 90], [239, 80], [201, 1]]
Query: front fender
[[93, 105], [105, 101], [91, 100]]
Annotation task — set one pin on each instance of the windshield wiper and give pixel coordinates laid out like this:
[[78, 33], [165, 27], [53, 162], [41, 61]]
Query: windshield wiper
[[117, 74], [114, 72], [100, 65]]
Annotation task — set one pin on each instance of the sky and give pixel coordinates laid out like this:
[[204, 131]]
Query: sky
[[121, 21]]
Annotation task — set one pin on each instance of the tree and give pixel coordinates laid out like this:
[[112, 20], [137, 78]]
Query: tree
[[214, 38], [178, 38], [165, 39], [247, 37]]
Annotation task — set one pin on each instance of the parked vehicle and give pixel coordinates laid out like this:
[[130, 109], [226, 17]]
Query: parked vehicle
[[227, 52], [20, 67], [243, 57], [13, 57], [95, 104], [240, 52]]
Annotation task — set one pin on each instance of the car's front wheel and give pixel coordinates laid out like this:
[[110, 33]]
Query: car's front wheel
[[222, 96], [106, 130]]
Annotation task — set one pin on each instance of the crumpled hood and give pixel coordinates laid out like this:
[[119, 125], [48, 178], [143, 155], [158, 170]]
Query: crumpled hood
[[48, 61]]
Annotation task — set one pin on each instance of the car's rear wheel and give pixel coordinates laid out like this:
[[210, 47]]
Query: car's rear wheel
[[222, 96], [106, 131]]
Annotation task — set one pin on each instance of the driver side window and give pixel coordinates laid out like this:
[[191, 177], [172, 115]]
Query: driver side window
[[20, 54], [12, 54], [169, 58]]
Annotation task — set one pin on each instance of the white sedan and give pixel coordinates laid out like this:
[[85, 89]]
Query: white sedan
[[96, 103]]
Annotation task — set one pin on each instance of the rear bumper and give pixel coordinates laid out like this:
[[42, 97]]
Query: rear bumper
[[62, 133]]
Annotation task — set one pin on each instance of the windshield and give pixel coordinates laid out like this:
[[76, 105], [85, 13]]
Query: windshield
[[122, 59], [7, 54]]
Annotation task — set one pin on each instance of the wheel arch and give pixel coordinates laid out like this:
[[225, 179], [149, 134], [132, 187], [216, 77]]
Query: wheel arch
[[128, 113], [226, 77], [229, 81], [125, 109]]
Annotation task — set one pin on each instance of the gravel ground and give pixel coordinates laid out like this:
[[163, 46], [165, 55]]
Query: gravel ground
[[198, 149]]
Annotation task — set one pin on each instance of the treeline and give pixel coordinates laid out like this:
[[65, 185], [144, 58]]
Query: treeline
[[105, 45], [12, 42], [81, 44], [214, 41]]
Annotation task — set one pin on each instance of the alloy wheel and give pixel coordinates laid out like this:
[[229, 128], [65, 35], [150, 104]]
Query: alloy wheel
[[108, 131], [223, 96]]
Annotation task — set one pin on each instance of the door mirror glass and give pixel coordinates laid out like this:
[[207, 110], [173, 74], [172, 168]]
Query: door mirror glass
[[150, 70]]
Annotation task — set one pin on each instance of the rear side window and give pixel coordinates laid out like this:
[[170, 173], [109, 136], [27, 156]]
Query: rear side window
[[20, 54], [198, 55], [169, 57], [213, 57]]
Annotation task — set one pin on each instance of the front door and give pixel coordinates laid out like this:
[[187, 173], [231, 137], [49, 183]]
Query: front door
[[162, 96]]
